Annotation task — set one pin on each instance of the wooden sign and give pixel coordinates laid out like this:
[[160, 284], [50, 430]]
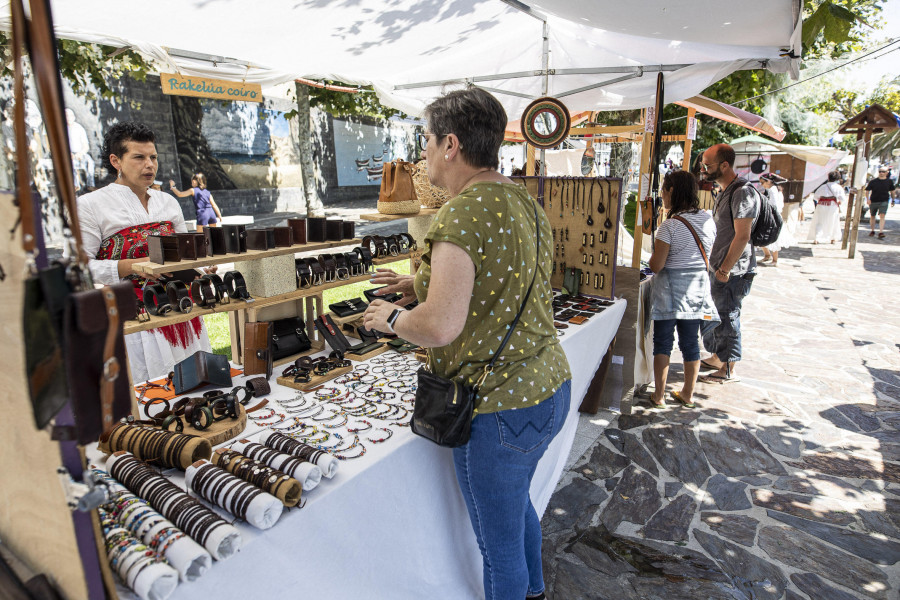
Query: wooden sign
[[203, 87]]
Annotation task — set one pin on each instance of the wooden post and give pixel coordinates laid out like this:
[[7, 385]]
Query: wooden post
[[686, 163], [857, 212], [529, 159], [646, 157], [851, 198]]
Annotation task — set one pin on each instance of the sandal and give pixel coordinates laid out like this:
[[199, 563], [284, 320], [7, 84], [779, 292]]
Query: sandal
[[706, 365], [720, 379], [662, 403], [881, 236], [686, 404]]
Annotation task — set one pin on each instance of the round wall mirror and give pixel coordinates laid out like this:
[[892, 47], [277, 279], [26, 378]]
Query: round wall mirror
[[546, 122]]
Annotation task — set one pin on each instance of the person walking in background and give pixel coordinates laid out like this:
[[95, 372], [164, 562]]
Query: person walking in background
[[785, 239], [80, 148], [680, 297], [826, 223], [732, 257], [878, 195], [207, 211]]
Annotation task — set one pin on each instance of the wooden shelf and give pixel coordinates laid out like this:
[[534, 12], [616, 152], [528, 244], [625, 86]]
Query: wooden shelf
[[151, 268], [259, 302], [382, 218]]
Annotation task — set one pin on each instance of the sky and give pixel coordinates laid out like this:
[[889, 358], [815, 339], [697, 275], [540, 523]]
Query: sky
[[868, 72]]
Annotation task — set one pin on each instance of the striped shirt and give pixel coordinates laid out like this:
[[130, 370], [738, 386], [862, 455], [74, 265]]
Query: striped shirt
[[683, 250]]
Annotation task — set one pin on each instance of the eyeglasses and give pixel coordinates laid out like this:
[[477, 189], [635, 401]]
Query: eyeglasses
[[422, 139], [706, 167]]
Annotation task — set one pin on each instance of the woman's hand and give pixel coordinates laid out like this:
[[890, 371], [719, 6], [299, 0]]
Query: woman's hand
[[377, 314], [172, 183], [398, 284]]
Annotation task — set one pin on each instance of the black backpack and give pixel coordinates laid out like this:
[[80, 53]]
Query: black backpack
[[768, 223]]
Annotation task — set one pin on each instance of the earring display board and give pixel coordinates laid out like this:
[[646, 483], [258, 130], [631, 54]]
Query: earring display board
[[584, 214], [532, 184]]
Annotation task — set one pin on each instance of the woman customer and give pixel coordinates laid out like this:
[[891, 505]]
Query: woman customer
[[826, 223], [207, 211], [680, 297], [480, 257], [770, 183]]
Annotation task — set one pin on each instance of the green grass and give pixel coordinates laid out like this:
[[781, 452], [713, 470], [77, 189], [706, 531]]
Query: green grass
[[630, 215], [217, 324]]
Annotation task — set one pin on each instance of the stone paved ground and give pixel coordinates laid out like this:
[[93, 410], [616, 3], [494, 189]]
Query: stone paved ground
[[785, 485]]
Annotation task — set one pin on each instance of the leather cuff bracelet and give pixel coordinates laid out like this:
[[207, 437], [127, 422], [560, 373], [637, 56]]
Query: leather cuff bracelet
[[258, 386], [156, 300]]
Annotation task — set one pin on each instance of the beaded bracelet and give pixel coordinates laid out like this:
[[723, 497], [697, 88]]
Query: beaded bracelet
[[360, 429], [384, 439]]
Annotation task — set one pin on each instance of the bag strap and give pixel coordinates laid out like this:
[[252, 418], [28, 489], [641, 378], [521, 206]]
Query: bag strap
[[537, 247], [696, 238]]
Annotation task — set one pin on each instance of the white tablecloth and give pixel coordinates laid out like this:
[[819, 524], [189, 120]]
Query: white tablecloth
[[393, 524]]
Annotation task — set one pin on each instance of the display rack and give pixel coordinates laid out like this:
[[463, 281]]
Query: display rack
[[382, 218], [152, 268]]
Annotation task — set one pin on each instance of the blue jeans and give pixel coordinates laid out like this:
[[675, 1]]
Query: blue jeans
[[725, 340], [688, 337], [494, 470]]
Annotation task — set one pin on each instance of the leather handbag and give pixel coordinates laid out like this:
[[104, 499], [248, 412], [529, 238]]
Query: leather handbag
[[201, 368], [257, 349], [444, 407], [288, 337], [346, 308], [398, 194], [95, 351]]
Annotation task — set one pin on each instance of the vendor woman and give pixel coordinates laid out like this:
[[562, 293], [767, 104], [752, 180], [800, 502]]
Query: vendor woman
[[115, 222], [480, 257]]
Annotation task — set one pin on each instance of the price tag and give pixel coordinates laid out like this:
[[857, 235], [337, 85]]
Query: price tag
[[692, 128]]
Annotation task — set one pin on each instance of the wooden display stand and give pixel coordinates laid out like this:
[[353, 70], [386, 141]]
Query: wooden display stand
[[221, 431], [314, 381]]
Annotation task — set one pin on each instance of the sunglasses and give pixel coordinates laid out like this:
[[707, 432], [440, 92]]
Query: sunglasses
[[422, 139]]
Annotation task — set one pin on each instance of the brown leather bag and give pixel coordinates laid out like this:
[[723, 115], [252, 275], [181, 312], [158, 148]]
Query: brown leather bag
[[258, 353], [398, 194]]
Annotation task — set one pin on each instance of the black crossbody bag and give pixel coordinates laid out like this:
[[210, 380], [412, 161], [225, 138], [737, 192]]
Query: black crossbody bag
[[444, 407]]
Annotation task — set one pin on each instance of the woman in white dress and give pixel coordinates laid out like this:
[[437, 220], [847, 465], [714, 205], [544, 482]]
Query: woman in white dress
[[770, 182], [826, 223]]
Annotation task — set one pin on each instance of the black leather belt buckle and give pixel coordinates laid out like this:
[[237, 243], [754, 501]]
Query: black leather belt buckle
[[304, 273], [156, 300], [179, 296], [316, 270]]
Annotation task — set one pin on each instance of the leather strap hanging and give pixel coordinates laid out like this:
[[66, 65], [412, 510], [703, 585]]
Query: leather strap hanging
[[23, 175], [111, 365], [696, 238]]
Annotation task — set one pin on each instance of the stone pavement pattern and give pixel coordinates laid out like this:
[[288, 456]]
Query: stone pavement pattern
[[785, 485]]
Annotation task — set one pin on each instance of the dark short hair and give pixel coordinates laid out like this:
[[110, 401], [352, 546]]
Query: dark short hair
[[834, 176], [118, 134], [725, 153], [684, 191], [476, 118]]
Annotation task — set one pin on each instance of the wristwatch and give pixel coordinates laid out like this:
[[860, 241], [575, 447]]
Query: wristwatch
[[393, 319]]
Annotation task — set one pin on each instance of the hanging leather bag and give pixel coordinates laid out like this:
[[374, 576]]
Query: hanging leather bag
[[398, 193], [444, 407]]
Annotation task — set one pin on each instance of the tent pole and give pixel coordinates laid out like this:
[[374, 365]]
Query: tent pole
[[688, 144], [851, 197], [860, 196], [545, 86]]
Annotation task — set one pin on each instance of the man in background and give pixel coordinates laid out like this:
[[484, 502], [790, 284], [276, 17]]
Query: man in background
[[80, 148], [878, 195]]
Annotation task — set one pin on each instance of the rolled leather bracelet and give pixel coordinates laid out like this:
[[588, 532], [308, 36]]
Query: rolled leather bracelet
[[236, 286], [258, 386], [411, 244], [304, 273], [179, 296], [218, 286], [342, 269], [203, 418], [203, 294], [328, 263], [156, 300], [365, 257]]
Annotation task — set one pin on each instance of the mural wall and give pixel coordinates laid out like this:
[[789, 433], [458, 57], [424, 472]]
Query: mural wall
[[361, 149]]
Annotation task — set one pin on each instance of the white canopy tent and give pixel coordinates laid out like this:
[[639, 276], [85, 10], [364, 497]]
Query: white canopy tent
[[593, 54], [820, 160]]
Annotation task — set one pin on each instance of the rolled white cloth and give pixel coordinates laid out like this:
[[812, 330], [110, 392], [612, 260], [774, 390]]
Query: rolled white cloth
[[262, 512], [308, 474], [278, 441]]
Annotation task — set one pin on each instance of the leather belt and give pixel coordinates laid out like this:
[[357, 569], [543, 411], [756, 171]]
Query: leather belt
[[329, 265], [342, 270], [219, 287], [179, 296], [203, 294], [304, 273], [381, 246], [410, 244], [354, 264], [317, 271], [393, 245], [156, 300], [365, 256], [236, 286]]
